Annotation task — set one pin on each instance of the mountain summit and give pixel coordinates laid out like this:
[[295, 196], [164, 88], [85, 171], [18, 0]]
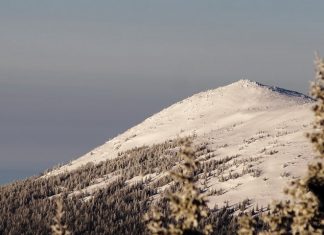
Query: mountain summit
[[261, 128]]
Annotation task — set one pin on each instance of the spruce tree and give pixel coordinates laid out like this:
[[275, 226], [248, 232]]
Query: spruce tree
[[59, 227], [187, 206]]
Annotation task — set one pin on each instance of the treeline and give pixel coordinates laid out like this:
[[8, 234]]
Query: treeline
[[28, 206]]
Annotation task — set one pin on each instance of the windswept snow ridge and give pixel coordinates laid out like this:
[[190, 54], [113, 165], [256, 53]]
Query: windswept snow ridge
[[262, 126]]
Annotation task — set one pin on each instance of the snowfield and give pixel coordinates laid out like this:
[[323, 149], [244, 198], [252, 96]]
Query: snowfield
[[263, 127]]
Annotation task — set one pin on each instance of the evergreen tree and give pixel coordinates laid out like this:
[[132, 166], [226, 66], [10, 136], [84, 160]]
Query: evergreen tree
[[59, 227], [187, 206]]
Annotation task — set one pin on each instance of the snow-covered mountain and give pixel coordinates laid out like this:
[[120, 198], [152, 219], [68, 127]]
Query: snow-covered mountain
[[261, 128]]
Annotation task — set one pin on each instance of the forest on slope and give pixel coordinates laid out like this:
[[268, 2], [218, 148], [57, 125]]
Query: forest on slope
[[28, 206]]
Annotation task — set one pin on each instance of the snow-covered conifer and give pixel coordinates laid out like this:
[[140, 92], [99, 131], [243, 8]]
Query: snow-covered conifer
[[187, 206]]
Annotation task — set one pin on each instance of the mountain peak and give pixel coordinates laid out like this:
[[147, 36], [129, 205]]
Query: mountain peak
[[266, 89], [245, 120], [241, 101], [246, 83]]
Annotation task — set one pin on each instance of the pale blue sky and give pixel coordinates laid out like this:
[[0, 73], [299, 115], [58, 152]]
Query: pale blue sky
[[75, 73]]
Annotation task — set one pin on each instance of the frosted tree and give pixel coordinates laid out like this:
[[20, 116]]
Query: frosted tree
[[58, 227], [304, 212], [187, 206]]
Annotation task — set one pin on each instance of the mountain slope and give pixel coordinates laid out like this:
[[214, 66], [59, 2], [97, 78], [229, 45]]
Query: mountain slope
[[249, 139], [260, 128]]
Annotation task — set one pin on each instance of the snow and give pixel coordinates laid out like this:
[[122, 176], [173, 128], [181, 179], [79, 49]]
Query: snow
[[246, 118]]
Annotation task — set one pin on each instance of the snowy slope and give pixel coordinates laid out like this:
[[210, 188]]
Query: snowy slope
[[246, 119]]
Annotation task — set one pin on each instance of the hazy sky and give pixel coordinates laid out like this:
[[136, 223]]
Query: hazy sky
[[74, 73]]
